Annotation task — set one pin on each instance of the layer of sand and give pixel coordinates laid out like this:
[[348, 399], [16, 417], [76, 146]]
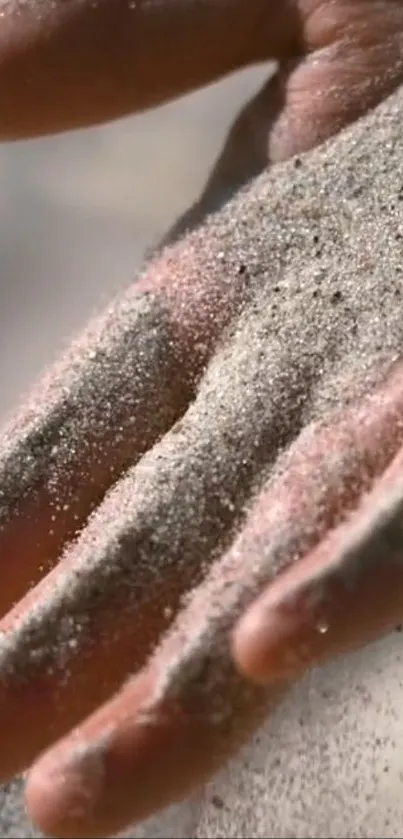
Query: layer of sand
[[328, 762]]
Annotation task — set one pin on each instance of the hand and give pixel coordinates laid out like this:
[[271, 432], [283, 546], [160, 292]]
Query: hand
[[214, 425]]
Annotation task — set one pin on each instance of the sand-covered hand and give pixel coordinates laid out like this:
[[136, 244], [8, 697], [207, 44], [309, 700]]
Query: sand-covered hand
[[221, 418]]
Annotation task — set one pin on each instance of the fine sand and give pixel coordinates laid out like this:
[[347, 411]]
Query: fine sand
[[320, 241]]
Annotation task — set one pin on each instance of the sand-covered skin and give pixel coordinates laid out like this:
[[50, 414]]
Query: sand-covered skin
[[312, 255]]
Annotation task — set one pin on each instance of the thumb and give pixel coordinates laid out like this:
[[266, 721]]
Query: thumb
[[350, 60], [313, 98]]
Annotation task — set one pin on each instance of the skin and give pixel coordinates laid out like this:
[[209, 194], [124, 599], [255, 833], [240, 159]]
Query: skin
[[65, 65]]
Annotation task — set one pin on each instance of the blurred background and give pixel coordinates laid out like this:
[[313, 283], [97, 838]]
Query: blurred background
[[78, 210]]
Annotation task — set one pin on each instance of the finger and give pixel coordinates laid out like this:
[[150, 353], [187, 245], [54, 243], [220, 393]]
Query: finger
[[118, 768], [347, 58], [354, 59], [71, 641], [66, 65], [346, 593], [350, 58], [119, 388], [115, 392], [350, 581]]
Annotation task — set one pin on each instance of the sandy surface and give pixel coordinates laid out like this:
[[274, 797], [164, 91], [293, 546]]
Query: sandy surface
[[329, 762]]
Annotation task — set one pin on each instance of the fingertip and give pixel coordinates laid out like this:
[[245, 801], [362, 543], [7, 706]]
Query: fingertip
[[247, 648], [62, 795], [118, 768], [71, 789], [259, 645]]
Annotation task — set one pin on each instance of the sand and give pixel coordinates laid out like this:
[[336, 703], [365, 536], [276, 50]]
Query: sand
[[317, 244]]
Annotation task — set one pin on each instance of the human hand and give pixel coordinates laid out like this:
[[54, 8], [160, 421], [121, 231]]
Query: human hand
[[207, 401]]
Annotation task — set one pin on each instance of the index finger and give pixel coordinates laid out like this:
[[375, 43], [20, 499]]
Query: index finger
[[66, 65]]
